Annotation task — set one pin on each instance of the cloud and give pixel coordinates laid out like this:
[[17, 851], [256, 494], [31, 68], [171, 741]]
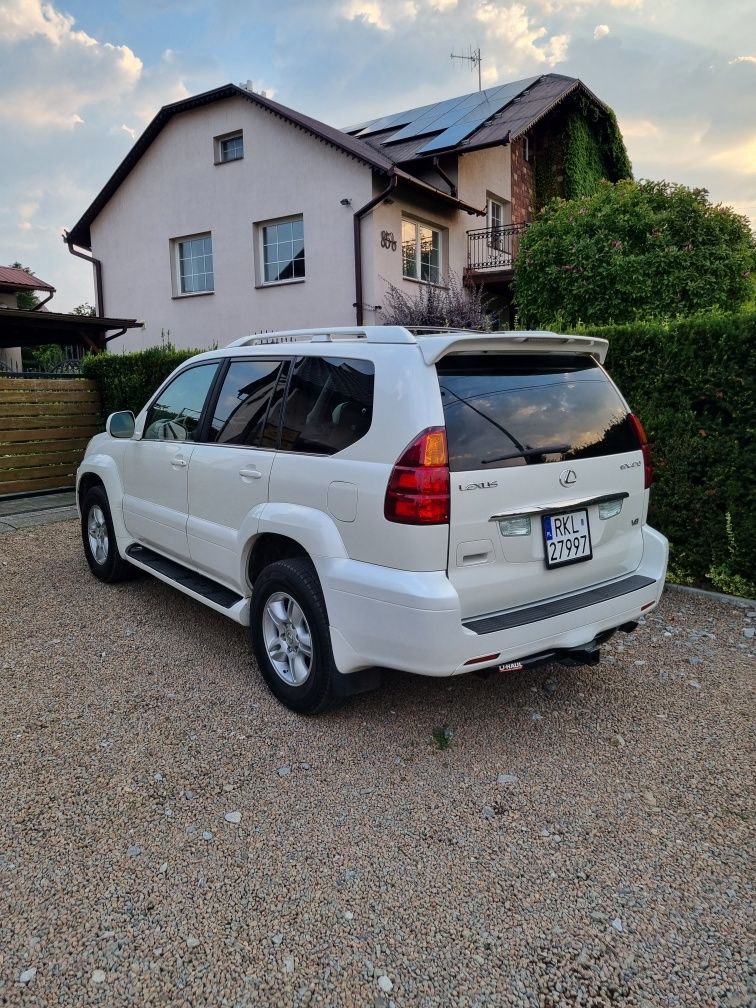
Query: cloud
[[520, 38], [72, 105], [26, 19], [743, 59], [740, 158], [640, 129], [575, 8], [59, 72], [387, 15], [601, 31]]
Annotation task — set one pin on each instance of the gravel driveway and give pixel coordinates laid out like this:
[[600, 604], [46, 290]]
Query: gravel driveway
[[172, 836]]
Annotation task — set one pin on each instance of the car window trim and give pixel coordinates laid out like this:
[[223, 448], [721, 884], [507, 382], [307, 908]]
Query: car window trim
[[210, 401]]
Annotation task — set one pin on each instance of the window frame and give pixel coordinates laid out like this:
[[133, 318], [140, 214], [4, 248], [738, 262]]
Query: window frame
[[417, 223], [218, 143], [176, 278], [259, 245], [496, 230]]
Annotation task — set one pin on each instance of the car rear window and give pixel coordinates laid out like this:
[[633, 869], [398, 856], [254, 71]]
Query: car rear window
[[505, 410]]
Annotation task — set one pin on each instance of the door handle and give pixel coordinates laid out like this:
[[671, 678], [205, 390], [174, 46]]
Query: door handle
[[179, 463], [250, 474]]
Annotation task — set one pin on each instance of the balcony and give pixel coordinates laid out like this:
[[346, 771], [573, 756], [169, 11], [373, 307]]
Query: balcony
[[491, 253]]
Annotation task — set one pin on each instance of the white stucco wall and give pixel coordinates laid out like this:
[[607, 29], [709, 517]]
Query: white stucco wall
[[176, 190], [480, 174]]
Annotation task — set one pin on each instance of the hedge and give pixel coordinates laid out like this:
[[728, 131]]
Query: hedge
[[126, 381], [691, 382]]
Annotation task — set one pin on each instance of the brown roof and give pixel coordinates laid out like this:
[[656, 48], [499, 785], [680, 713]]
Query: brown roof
[[15, 279], [377, 160]]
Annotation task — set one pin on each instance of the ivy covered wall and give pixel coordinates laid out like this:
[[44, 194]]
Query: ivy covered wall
[[576, 147]]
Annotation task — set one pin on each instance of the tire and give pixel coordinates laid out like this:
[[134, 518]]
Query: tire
[[290, 636], [97, 534]]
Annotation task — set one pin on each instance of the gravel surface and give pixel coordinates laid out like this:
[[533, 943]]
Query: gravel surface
[[171, 836]]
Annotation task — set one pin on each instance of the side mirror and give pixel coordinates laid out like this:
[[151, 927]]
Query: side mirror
[[120, 425]]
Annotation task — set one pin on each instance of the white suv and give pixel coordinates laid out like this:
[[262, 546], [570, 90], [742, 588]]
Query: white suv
[[439, 502]]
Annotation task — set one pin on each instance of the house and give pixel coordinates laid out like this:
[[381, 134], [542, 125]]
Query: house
[[18, 289], [25, 322], [233, 214]]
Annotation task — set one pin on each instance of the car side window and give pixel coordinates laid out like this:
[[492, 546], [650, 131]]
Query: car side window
[[329, 404], [243, 403], [177, 410]]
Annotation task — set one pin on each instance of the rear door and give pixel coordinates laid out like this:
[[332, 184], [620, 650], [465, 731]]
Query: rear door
[[546, 474]]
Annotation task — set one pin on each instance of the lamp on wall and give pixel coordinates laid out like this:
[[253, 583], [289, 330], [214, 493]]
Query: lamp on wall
[[346, 201]]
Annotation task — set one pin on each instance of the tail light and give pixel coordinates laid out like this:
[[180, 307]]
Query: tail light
[[648, 469], [418, 488]]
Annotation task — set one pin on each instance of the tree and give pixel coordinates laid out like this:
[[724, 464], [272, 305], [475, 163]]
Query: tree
[[85, 308], [632, 250], [450, 307], [25, 299]]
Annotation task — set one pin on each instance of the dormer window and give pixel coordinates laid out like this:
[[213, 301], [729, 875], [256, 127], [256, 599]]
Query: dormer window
[[229, 147]]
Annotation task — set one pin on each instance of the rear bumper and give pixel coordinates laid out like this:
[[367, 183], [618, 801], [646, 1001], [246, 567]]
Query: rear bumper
[[412, 621]]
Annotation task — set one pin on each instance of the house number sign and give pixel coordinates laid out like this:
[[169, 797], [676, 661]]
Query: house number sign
[[388, 241]]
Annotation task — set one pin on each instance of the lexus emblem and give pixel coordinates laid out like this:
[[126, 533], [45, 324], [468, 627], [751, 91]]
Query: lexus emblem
[[568, 477]]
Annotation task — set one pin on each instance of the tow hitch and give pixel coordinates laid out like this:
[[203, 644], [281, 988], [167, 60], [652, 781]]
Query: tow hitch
[[579, 656]]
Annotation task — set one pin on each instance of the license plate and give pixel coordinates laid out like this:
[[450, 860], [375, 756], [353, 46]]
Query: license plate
[[566, 538]]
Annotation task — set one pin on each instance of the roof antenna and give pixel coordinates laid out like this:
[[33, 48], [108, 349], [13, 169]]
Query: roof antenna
[[475, 60]]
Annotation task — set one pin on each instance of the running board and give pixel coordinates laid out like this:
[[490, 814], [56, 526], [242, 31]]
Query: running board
[[184, 577], [545, 610]]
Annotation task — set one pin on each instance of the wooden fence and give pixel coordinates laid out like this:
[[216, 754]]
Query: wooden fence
[[45, 424]]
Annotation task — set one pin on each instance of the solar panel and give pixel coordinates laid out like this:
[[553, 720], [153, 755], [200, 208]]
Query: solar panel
[[453, 119], [495, 100], [397, 119], [439, 116], [450, 137]]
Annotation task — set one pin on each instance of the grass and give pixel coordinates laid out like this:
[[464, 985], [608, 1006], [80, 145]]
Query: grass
[[442, 736]]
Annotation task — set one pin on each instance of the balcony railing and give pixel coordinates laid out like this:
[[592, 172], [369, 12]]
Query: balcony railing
[[493, 249]]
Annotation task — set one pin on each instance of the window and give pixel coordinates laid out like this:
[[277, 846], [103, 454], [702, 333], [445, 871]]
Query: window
[[229, 148], [242, 408], [194, 265], [176, 412], [283, 250], [421, 252], [329, 405], [499, 408], [496, 225]]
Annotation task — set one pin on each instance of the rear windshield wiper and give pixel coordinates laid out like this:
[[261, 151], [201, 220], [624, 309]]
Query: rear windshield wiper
[[527, 452]]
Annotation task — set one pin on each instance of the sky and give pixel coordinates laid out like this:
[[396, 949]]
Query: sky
[[80, 80]]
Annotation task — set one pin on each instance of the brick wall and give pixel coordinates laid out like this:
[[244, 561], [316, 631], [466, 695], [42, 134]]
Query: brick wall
[[523, 184]]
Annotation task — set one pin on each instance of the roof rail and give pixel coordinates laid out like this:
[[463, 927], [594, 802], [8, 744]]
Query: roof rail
[[372, 334], [425, 330]]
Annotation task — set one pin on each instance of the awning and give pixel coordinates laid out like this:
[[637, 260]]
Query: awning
[[19, 328]]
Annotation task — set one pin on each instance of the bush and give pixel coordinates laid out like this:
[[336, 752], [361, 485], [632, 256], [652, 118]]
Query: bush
[[691, 384], [632, 250], [452, 306], [126, 381]]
